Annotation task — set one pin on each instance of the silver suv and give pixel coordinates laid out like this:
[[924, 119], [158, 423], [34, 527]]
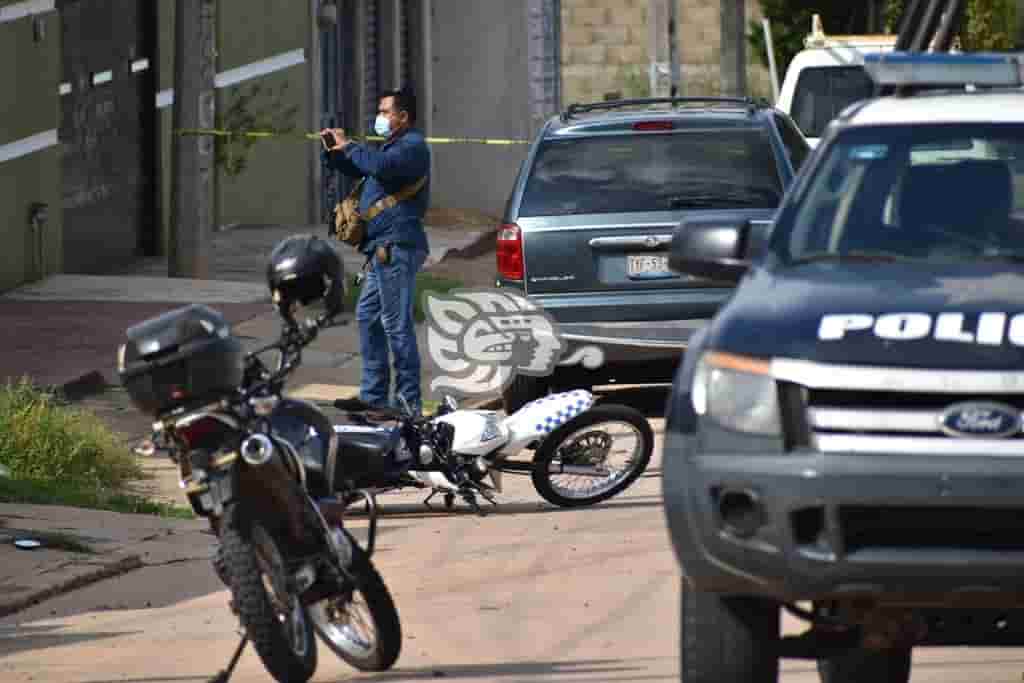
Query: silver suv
[[588, 225]]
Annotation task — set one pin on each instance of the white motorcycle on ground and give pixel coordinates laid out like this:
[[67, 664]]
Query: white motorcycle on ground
[[582, 453]]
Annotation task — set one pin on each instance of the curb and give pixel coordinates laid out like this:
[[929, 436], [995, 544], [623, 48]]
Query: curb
[[107, 571], [478, 247]]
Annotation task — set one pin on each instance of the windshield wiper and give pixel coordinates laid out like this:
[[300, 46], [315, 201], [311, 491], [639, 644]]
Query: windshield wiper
[[858, 255], [718, 201]]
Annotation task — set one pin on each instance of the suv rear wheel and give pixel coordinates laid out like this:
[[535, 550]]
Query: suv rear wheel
[[728, 639]]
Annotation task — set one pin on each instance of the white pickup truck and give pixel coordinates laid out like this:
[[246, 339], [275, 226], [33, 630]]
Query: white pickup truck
[[827, 76]]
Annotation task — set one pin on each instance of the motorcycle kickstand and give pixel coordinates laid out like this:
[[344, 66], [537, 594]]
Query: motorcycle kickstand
[[223, 676], [471, 501], [427, 501]]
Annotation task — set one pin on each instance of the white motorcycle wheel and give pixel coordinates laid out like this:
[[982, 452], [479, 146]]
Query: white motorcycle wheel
[[575, 465]]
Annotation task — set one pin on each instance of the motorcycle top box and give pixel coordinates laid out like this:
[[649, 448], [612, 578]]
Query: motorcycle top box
[[179, 358]]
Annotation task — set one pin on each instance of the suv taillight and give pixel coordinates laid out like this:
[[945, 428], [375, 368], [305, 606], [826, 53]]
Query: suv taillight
[[510, 252]]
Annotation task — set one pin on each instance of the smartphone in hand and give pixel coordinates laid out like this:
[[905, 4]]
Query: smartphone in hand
[[328, 140]]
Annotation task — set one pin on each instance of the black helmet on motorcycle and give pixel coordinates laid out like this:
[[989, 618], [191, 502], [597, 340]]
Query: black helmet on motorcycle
[[304, 269]]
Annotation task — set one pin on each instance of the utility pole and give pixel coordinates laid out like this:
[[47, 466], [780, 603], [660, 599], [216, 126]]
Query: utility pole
[[734, 48], [192, 156]]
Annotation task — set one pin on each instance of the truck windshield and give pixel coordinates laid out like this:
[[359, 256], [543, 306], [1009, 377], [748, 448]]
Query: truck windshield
[[936, 192], [696, 169], [822, 92]]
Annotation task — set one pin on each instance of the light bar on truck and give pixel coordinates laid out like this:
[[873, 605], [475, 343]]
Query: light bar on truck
[[943, 69]]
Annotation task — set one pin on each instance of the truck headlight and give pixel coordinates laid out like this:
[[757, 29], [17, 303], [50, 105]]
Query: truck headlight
[[738, 392]]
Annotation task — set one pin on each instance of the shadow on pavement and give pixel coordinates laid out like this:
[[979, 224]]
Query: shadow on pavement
[[609, 669], [20, 638], [153, 679], [420, 511]]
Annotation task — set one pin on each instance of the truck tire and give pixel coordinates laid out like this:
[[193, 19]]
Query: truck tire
[[877, 666], [523, 389], [728, 639]]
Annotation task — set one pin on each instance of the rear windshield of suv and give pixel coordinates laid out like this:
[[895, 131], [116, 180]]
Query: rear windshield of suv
[[695, 169]]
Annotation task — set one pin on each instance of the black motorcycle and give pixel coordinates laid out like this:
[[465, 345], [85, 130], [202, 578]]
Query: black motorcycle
[[266, 471]]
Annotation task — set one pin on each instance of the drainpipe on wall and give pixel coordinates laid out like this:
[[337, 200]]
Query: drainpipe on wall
[[38, 217], [673, 49]]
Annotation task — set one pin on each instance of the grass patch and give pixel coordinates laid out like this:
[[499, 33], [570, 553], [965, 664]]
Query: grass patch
[[42, 438], [59, 455], [424, 282]]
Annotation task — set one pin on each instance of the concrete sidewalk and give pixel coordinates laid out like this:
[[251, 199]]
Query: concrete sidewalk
[[68, 327], [115, 544]]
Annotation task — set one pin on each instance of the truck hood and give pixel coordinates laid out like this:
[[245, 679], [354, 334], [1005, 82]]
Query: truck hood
[[962, 316]]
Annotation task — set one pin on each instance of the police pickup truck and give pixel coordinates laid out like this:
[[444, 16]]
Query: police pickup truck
[[845, 436]]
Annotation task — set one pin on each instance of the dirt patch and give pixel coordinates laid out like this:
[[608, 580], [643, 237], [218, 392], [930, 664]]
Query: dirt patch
[[442, 217]]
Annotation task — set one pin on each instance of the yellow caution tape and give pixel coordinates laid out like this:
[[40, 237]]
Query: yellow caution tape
[[316, 136]]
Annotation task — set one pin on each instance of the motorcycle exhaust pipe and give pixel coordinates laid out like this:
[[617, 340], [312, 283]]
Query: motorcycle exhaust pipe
[[257, 450], [272, 482], [741, 512]]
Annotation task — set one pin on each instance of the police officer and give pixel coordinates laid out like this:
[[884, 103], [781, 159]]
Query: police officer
[[395, 244]]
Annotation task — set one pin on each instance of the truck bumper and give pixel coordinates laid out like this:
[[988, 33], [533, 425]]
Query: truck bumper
[[924, 531]]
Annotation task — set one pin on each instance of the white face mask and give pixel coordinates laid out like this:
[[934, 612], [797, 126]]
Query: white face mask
[[382, 126]]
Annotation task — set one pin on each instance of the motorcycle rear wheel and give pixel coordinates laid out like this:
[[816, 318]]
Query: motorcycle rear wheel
[[361, 625], [278, 626], [585, 441]]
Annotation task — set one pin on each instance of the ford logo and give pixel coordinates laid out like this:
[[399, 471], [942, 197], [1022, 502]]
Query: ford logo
[[980, 420]]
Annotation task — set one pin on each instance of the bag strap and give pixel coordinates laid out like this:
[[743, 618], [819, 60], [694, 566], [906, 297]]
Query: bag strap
[[358, 189], [393, 199]]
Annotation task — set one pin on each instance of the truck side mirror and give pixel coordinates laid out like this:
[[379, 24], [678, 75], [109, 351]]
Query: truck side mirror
[[718, 250]]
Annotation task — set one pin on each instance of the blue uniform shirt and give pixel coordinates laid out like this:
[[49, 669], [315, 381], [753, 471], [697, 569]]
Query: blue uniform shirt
[[397, 164]]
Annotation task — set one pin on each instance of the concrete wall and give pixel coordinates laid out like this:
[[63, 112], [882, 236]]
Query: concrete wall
[[274, 185], [607, 47], [479, 90], [29, 105]]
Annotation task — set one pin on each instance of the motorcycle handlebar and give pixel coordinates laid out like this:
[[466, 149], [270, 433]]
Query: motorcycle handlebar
[[293, 339]]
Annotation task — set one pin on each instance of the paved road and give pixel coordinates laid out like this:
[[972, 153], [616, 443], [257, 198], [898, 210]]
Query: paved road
[[529, 593]]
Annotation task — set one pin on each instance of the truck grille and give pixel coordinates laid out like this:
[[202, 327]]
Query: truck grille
[[900, 422]]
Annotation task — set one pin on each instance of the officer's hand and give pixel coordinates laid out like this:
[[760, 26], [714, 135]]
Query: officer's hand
[[340, 137], [331, 138]]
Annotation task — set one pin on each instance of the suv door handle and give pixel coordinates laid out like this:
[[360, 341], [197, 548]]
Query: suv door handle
[[637, 241]]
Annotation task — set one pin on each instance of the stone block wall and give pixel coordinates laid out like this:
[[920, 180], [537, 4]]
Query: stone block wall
[[607, 47]]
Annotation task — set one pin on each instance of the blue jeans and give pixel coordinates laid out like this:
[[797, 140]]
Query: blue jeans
[[385, 316]]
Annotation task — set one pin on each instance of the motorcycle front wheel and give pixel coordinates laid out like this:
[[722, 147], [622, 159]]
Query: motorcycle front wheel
[[361, 623], [594, 456], [275, 620]]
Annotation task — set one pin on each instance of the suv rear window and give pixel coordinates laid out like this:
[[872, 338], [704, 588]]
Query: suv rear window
[[696, 169], [822, 93]]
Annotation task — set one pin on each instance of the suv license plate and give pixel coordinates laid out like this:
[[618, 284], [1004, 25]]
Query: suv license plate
[[648, 265]]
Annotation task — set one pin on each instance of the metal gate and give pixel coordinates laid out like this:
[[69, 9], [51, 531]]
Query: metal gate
[[107, 131]]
